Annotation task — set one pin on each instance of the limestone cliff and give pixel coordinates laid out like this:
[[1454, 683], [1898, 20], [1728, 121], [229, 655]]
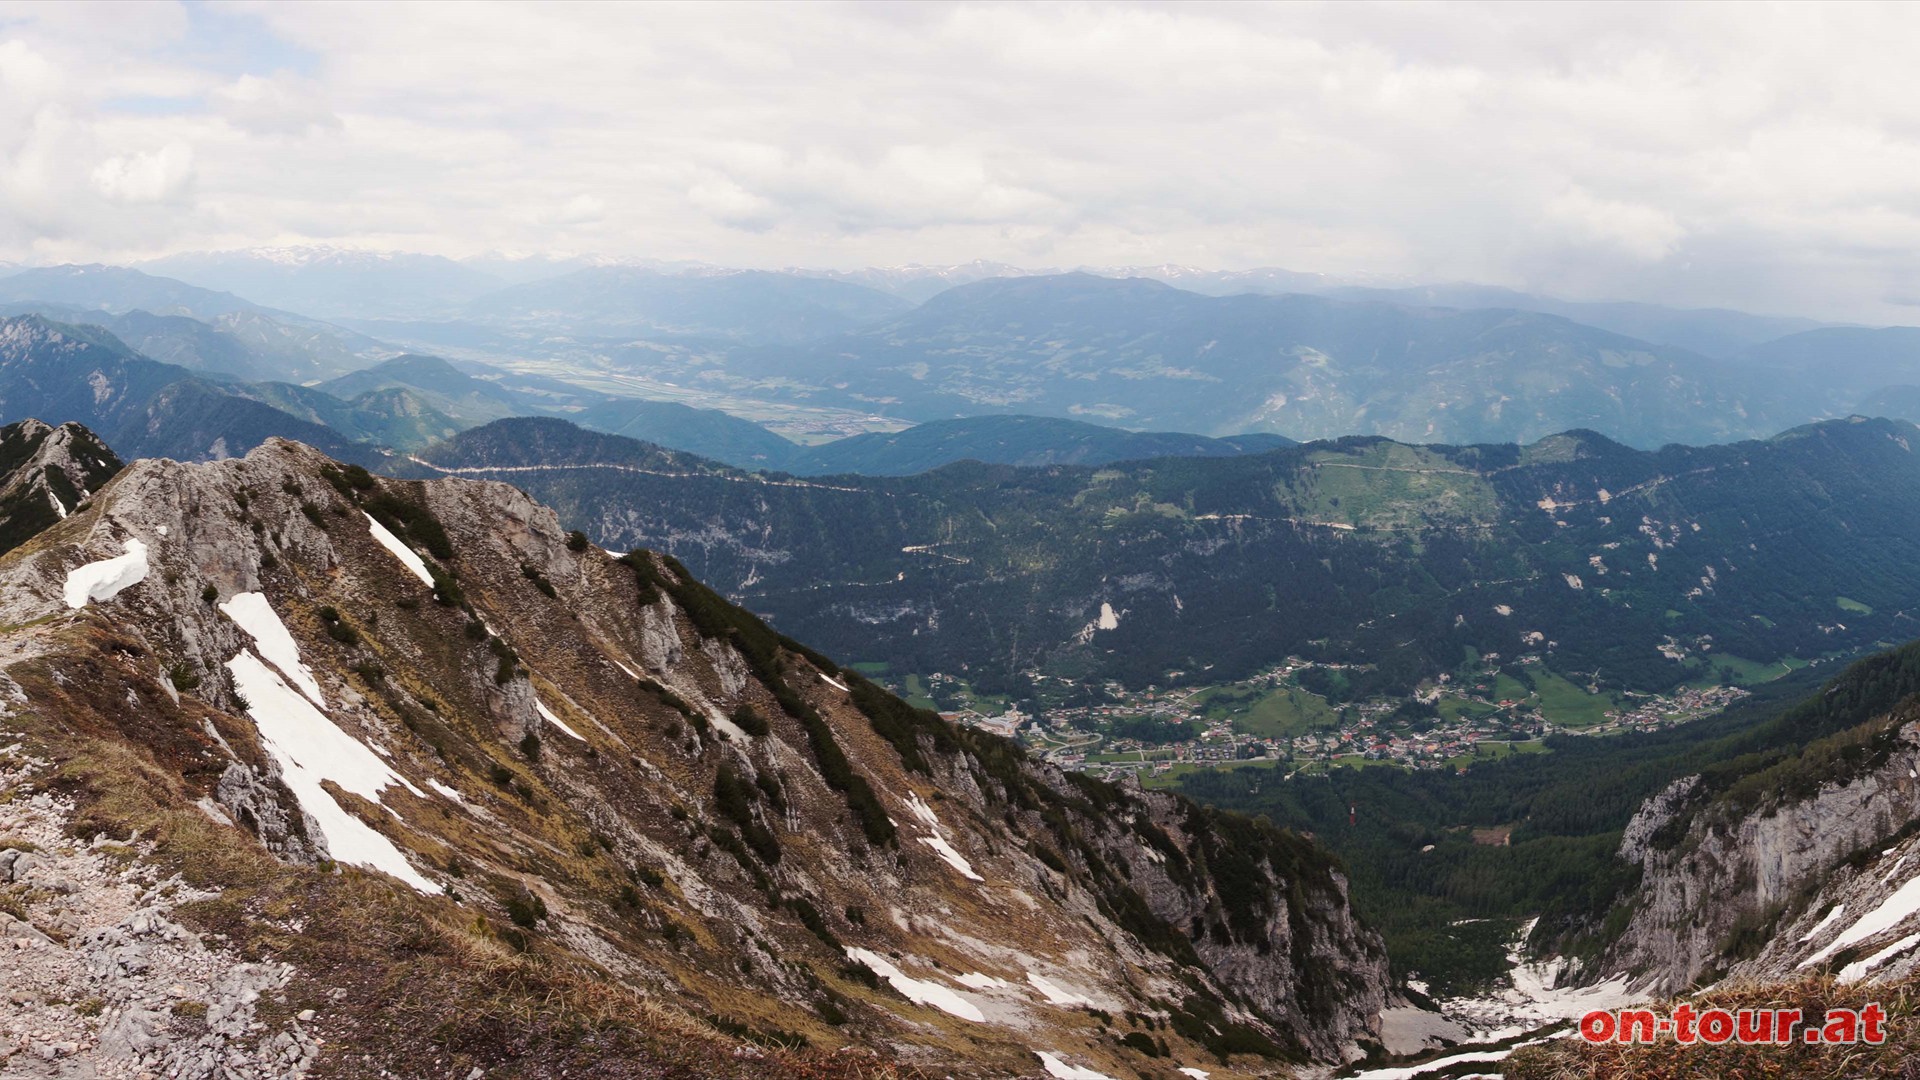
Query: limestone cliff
[[1805, 863]]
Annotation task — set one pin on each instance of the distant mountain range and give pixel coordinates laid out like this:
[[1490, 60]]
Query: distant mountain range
[[332, 283], [82, 372], [1330, 358], [198, 328], [748, 306], [1011, 440], [1147, 355]]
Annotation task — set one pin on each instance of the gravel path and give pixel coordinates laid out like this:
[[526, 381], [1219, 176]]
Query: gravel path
[[96, 978]]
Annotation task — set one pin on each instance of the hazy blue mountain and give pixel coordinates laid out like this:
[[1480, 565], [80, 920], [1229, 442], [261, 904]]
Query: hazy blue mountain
[[536, 441], [707, 432], [395, 417], [466, 400], [1268, 280], [188, 342], [1001, 440], [241, 338], [518, 269], [1844, 364], [916, 283], [118, 289], [1011, 440], [743, 306], [331, 283], [1716, 332], [1897, 402], [246, 345], [1147, 355], [59, 372]]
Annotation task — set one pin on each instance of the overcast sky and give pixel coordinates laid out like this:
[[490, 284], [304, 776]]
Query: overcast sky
[[1766, 158]]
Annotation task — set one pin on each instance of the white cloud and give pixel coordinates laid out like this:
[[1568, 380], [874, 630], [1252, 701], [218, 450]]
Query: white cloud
[[730, 204], [1749, 156], [161, 175], [280, 104], [579, 210], [1642, 232]]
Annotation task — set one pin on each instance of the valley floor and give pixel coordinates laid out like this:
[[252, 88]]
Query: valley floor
[[1481, 712]]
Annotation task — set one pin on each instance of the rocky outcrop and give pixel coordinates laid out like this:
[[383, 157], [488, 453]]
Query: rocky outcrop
[[1729, 891], [46, 473]]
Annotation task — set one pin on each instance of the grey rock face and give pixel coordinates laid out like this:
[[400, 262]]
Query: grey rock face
[[264, 807], [1760, 877]]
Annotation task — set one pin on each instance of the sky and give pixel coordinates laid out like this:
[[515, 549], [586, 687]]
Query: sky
[[1760, 157]]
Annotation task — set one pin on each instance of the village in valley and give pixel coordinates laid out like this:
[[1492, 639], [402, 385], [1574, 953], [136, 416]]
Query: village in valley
[[1485, 710]]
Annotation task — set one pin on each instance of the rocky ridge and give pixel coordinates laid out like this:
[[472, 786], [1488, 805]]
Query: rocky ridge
[[45, 474], [522, 757]]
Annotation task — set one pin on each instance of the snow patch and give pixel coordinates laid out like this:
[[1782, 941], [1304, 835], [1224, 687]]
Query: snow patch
[[1197, 1074], [974, 980], [270, 636], [409, 557], [1535, 997], [919, 991], [1405, 1030], [103, 580], [922, 810], [547, 715], [1832, 917], [59, 507], [835, 683], [939, 843], [1892, 911], [1887, 878], [1410, 1071], [1859, 969], [1054, 992], [1109, 619], [951, 857], [1063, 1071], [447, 791], [309, 749]]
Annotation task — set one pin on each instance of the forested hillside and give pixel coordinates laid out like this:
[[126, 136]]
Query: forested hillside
[[1613, 567]]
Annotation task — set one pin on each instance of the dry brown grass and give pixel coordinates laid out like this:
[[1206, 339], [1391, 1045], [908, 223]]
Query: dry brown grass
[[411, 985], [1898, 1058]]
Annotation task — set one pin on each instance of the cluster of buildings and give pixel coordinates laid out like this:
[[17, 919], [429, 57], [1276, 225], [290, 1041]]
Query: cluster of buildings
[[1088, 736], [1667, 710]]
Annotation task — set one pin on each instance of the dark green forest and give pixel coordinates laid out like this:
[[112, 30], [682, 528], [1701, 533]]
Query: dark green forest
[[1362, 551]]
